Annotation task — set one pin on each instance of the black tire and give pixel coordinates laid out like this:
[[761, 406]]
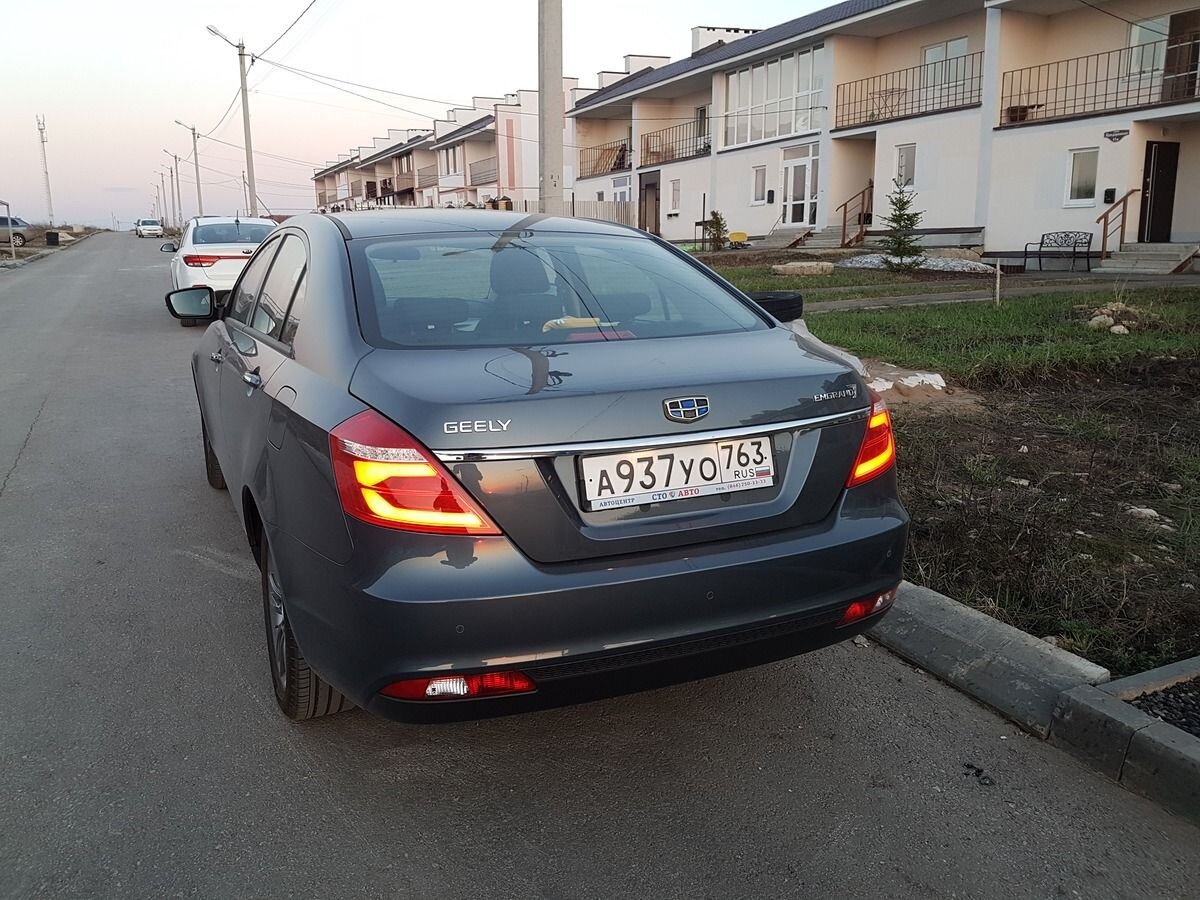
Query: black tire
[[212, 467], [300, 692], [18, 240]]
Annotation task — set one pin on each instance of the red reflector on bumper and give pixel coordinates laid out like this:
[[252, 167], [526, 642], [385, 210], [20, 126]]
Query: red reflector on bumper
[[867, 606], [460, 687]]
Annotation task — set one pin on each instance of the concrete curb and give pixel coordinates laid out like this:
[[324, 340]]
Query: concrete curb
[[1016, 674], [1134, 749], [49, 251]]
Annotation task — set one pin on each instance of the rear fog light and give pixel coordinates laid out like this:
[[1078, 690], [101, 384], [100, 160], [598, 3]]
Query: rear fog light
[[868, 606], [460, 687]]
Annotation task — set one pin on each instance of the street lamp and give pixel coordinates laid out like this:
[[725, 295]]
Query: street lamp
[[12, 245], [175, 188], [196, 160], [241, 49]]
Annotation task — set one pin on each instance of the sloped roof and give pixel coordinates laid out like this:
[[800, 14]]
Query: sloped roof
[[709, 57], [466, 131], [395, 149]]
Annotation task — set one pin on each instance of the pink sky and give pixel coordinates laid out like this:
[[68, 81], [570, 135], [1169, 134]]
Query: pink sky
[[112, 77]]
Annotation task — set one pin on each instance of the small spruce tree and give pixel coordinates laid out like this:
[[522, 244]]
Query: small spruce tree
[[716, 234], [901, 252]]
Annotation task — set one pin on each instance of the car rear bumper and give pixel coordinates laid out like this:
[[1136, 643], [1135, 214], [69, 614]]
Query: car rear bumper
[[581, 631]]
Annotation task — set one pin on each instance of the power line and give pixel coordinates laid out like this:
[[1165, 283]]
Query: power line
[[283, 34], [1121, 18], [319, 80], [368, 87], [300, 162]]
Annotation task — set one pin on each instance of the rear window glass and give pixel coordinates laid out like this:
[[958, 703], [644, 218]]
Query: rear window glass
[[481, 289], [231, 233]]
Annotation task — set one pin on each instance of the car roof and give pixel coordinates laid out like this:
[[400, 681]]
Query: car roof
[[229, 220], [378, 223]]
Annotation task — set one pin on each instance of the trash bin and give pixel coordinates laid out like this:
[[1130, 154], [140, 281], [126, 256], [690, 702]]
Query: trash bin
[[51, 238], [504, 203]]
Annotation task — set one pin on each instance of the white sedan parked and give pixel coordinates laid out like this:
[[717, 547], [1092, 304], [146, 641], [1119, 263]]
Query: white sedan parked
[[214, 250]]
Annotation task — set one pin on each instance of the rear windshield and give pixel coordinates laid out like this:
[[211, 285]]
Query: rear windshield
[[481, 289], [231, 233]]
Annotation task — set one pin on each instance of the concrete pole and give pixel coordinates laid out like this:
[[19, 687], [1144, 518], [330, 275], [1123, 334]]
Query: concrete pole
[[163, 184], [12, 245], [196, 160], [157, 199], [550, 107], [241, 48], [178, 195], [245, 196]]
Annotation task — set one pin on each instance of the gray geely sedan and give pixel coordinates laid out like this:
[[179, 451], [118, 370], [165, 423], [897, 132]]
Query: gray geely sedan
[[489, 462]]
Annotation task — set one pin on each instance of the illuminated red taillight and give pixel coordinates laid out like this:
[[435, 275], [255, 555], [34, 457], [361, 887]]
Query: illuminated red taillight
[[386, 477], [877, 453], [868, 606], [460, 687]]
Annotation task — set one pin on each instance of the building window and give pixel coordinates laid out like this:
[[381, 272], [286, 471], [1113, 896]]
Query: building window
[[675, 195], [1081, 177], [759, 195], [945, 63], [775, 98], [906, 164], [622, 188], [450, 161], [405, 164], [600, 196]]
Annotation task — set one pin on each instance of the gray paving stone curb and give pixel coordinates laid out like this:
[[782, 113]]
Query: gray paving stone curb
[[1016, 674], [1137, 750]]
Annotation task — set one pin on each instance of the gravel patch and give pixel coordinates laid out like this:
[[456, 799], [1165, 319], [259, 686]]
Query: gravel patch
[[1179, 705], [930, 264]]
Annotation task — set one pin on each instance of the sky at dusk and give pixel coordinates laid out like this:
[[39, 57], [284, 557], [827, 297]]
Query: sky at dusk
[[112, 77]]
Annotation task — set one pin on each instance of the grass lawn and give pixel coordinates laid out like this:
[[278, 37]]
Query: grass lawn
[[1020, 502], [1022, 340], [873, 282]]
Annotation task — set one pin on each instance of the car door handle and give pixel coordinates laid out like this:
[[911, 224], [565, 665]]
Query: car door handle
[[216, 357], [253, 379]]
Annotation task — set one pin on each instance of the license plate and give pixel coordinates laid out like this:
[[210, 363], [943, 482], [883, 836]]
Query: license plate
[[676, 473]]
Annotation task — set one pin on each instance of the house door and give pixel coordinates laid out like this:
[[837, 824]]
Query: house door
[[648, 202], [1158, 191], [800, 185]]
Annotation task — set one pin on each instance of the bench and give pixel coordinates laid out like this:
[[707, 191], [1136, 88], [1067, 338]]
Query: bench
[[1071, 245]]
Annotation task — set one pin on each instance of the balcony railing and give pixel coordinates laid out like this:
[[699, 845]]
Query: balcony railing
[[427, 176], [932, 88], [675, 143], [406, 181], [604, 158], [1134, 77], [483, 171]]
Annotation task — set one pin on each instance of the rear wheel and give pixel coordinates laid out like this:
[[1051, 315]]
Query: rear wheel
[[212, 467], [18, 240], [299, 691]]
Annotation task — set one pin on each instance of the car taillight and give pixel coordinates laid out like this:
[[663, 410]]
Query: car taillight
[[200, 262], [868, 606], [460, 687], [877, 453], [386, 477]]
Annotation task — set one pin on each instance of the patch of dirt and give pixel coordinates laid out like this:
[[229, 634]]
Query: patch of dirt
[[735, 258], [915, 389], [1069, 509], [1118, 317]]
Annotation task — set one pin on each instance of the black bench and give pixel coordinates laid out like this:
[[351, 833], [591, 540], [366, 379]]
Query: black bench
[[1071, 245]]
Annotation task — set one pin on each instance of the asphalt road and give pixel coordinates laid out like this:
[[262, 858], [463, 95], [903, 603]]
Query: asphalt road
[[141, 753]]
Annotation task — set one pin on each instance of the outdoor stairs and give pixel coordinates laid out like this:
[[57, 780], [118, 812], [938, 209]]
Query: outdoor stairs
[[1148, 259], [814, 239]]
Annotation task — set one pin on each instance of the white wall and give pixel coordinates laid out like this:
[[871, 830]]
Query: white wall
[[947, 167]]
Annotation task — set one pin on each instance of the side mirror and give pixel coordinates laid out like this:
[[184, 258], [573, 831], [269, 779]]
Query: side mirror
[[168, 247], [786, 306], [192, 303]]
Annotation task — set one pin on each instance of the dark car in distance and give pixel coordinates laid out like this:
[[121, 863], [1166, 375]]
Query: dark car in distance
[[490, 462]]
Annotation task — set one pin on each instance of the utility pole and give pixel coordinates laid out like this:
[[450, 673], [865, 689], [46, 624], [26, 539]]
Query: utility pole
[[41, 124], [196, 160], [162, 184], [245, 195], [176, 202], [241, 49], [157, 200], [550, 106]]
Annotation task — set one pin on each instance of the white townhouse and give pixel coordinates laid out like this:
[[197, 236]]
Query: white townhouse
[[1009, 117]]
